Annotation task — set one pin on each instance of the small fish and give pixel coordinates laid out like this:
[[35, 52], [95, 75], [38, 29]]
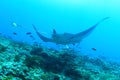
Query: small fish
[[35, 43], [94, 49], [14, 24], [28, 33], [32, 37], [14, 33]]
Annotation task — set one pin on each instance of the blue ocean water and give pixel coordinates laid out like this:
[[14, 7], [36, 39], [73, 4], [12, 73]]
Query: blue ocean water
[[70, 16]]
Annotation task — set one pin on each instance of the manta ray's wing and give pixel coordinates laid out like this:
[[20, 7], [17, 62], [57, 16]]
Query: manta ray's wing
[[88, 31], [45, 39]]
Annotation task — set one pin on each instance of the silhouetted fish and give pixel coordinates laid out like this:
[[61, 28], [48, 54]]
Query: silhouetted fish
[[68, 38], [14, 33], [28, 33], [94, 49], [14, 24], [32, 37]]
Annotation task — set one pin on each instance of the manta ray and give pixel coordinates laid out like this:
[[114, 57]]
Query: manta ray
[[68, 38]]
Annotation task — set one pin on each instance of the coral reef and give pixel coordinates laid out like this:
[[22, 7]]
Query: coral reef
[[22, 61]]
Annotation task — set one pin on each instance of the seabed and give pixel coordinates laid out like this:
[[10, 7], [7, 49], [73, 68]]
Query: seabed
[[22, 61]]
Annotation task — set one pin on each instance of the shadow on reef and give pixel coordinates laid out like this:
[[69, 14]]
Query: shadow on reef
[[62, 63]]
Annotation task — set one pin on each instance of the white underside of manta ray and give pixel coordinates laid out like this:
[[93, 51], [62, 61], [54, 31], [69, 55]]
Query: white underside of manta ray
[[68, 38]]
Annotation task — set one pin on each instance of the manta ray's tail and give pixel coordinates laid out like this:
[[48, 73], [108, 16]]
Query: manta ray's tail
[[88, 31], [45, 39]]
